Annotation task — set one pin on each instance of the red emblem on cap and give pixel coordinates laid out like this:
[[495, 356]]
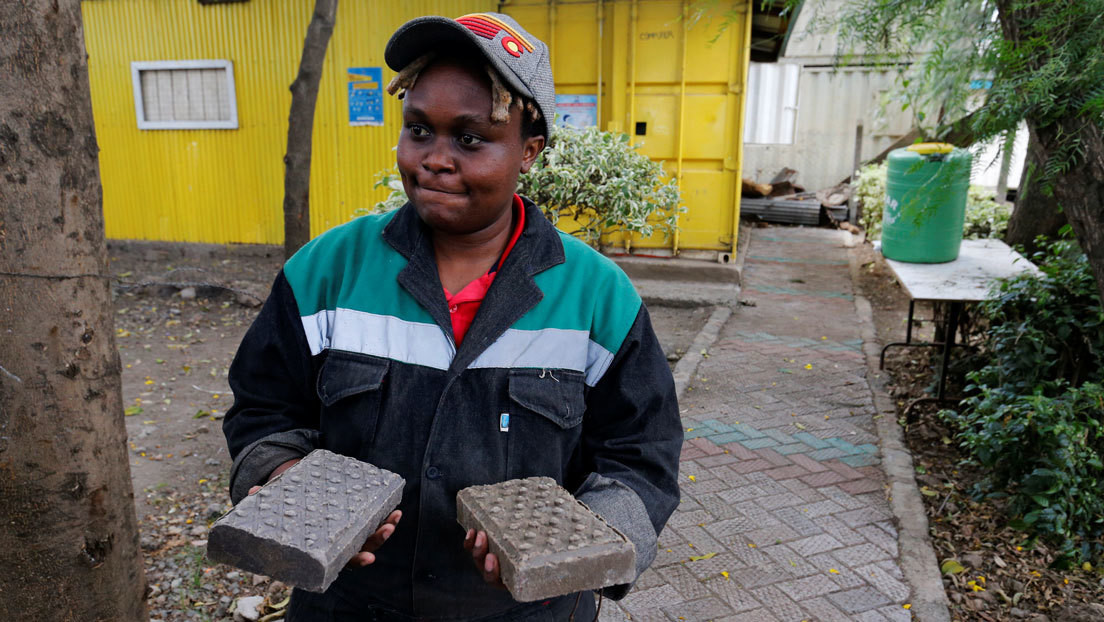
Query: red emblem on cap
[[488, 27]]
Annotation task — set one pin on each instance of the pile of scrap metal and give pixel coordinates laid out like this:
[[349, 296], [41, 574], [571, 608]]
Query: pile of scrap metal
[[783, 200]]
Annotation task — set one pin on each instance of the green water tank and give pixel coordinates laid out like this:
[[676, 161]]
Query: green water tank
[[925, 207]]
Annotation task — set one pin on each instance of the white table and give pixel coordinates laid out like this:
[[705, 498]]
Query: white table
[[966, 279]]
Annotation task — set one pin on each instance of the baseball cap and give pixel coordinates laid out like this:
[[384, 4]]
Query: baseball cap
[[519, 58]]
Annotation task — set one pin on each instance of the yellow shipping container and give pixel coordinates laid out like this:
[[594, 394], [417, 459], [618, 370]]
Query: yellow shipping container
[[218, 177]]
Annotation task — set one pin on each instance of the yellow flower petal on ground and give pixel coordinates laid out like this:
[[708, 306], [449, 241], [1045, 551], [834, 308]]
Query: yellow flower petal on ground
[[808, 365], [724, 573], [693, 479], [906, 606], [833, 571]]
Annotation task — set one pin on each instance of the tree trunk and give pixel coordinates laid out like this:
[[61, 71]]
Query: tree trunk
[[1080, 190], [1036, 213], [68, 534], [304, 95]]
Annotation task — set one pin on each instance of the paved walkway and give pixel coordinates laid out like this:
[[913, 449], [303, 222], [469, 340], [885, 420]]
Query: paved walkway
[[784, 514]]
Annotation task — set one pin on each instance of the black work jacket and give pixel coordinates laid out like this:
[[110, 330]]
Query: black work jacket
[[602, 421]]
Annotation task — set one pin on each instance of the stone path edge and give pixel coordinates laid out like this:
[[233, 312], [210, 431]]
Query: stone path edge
[[917, 556], [706, 337]]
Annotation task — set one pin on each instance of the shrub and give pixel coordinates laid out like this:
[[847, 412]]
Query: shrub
[[595, 178], [985, 218], [1033, 421]]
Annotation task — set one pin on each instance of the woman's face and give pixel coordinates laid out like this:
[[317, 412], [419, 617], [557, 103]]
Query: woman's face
[[459, 169]]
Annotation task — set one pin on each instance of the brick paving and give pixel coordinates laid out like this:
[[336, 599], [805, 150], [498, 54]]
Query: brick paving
[[783, 516]]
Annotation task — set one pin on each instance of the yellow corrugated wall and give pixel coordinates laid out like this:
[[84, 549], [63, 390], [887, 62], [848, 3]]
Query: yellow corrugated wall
[[227, 185], [683, 74]]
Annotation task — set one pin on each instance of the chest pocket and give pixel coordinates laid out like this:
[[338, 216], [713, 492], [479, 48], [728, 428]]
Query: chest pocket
[[350, 386], [546, 409]]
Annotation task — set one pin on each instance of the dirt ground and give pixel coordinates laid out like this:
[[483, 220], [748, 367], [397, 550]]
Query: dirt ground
[[180, 312], [1003, 575]]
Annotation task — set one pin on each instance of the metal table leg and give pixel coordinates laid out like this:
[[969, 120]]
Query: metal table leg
[[950, 328]]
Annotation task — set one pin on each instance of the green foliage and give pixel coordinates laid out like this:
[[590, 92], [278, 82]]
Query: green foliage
[[596, 178], [1034, 418], [1045, 60], [985, 218], [602, 182]]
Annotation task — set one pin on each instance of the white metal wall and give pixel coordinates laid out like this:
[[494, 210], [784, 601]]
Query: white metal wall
[[832, 102], [771, 103]]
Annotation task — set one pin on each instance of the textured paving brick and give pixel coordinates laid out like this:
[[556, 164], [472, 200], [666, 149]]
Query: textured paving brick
[[860, 486], [886, 584], [738, 598], [547, 543], [708, 608], [879, 538], [788, 472], [858, 599], [824, 478], [807, 587], [813, 466], [815, 544], [778, 603], [305, 525]]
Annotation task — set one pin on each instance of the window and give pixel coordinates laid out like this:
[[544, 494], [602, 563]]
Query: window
[[184, 95]]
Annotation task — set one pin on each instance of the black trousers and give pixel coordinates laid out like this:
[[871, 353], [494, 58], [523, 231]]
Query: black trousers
[[311, 607]]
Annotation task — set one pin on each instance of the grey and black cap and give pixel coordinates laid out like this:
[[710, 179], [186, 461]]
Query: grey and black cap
[[519, 58]]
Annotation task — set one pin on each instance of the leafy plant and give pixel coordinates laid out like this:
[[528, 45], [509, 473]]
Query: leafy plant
[[985, 218], [597, 179], [1034, 419]]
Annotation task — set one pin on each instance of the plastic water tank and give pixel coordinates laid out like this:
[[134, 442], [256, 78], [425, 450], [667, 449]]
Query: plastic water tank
[[925, 207]]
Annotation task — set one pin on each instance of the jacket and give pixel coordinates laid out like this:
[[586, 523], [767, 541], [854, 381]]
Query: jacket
[[560, 375]]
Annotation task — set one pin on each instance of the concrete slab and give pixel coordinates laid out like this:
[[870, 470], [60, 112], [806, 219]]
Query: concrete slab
[[305, 525]]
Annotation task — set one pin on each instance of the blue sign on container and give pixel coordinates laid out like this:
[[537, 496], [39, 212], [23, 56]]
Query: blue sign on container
[[365, 96]]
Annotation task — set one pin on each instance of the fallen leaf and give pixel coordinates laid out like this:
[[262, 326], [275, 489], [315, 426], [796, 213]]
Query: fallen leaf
[[950, 566], [132, 410], [698, 558]]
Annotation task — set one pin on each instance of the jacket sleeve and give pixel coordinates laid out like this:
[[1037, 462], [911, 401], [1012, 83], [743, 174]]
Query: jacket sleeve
[[276, 408], [632, 438]]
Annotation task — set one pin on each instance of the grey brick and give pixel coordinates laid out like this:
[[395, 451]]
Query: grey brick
[[816, 544], [860, 555], [807, 587], [305, 525], [547, 543], [859, 599]]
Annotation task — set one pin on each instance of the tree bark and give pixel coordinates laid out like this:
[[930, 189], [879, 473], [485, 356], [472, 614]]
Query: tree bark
[[1035, 213], [1080, 190], [68, 534], [304, 95]]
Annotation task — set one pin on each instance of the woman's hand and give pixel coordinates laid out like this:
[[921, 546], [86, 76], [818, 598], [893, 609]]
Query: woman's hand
[[487, 563], [367, 552]]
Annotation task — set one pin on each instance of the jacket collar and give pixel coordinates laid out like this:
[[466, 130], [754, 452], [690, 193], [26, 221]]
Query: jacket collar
[[513, 293]]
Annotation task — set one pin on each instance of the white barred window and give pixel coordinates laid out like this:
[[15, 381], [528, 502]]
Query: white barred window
[[184, 94]]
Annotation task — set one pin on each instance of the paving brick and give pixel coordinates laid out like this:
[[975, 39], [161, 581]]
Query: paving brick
[[827, 453], [703, 609], [886, 584], [815, 544], [860, 486], [732, 593], [779, 435], [778, 603], [859, 555], [689, 586], [862, 516], [788, 472], [741, 452], [860, 460], [822, 479], [757, 615], [792, 516], [752, 465], [807, 587], [793, 448], [813, 466], [716, 460], [805, 492], [838, 530], [773, 457], [718, 508], [811, 440], [725, 530], [684, 519], [547, 543], [690, 452], [638, 602], [305, 525], [823, 610], [895, 613], [858, 600], [742, 493], [879, 538], [725, 438], [770, 535], [759, 443], [846, 471]]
